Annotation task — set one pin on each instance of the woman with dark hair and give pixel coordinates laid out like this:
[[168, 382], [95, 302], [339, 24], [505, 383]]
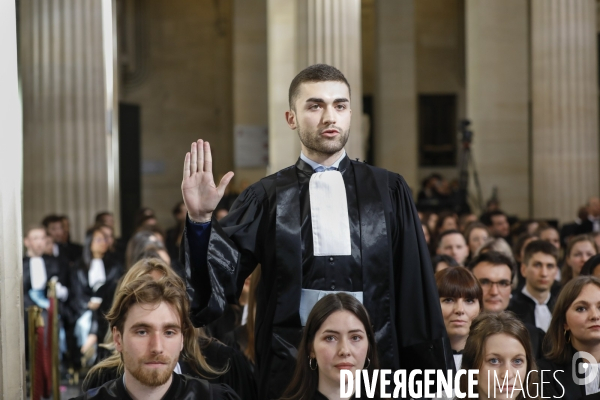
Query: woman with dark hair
[[92, 278], [590, 266], [461, 298], [440, 262], [499, 346], [338, 335], [575, 327], [579, 249], [476, 235]]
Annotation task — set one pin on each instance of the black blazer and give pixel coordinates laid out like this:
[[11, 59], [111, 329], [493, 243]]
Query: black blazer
[[53, 268], [524, 307], [560, 382], [82, 292]]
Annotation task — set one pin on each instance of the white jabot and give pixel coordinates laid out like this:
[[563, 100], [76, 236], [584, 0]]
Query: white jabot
[[542, 313], [329, 214], [594, 385], [96, 274], [37, 270], [457, 360]]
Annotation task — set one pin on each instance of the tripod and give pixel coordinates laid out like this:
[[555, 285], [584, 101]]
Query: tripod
[[466, 159]]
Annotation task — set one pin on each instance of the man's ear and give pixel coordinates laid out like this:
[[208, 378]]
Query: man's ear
[[290, 118], [523, 267], [118, 339]]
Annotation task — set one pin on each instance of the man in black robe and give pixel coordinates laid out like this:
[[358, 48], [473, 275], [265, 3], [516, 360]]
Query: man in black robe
[[376, 251]]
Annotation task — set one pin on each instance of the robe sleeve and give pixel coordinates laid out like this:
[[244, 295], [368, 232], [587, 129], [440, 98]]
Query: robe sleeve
[[219, 257], [423, 342]]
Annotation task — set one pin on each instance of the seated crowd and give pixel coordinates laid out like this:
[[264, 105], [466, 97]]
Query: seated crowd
[[516, 296]]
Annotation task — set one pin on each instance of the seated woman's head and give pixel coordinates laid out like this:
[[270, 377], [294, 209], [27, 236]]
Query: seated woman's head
[[338, 335], [575, 320], [499, 346], [461, 298]]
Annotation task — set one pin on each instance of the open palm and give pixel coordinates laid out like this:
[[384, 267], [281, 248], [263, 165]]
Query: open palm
[[200, 194]]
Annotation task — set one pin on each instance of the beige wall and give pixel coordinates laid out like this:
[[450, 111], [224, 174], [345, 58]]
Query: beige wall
[[186, 91]]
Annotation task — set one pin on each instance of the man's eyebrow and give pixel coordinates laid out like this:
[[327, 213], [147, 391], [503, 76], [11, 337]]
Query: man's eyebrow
[[319, 100], [148, 326]]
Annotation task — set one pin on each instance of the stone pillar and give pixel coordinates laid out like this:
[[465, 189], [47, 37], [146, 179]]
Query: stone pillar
[[250, 84], [396, 140], [12, 336], [66, 124], [497, 69], [565, 106], [302, 33]]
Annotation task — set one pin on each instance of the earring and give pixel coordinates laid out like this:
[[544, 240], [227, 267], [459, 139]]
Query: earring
[[310, 363], [369, 363], [568, 339]]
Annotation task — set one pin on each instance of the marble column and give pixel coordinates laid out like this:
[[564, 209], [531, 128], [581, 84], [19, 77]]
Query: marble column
[[302, 33], [497, 71], [396, 140], [12, 336], [68, 129], [565, 106]]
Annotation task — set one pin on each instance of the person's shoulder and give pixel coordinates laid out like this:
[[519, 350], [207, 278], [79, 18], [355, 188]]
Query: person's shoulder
[[107, 391], [201, 388]]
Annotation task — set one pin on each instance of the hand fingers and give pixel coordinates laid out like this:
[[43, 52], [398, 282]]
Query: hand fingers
[[186, 166], [200, 167], [194, 159], [224, 182], [207, 158]]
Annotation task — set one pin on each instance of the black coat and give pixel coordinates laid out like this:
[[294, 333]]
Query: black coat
[[53, 268], [524, 307], [81, 292], [182, 388], [560, 384], [270, 224]]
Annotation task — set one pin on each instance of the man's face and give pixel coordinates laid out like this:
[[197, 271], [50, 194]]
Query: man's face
[[539, 272], [35, 241], [551, 235], [496, 284], [454, 245], [66, 229], [56, 230], [500, 227], [150, 342], [594, 206], [322, 117]]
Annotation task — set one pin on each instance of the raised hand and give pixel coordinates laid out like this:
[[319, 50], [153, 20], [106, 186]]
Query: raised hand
[[200, 194]]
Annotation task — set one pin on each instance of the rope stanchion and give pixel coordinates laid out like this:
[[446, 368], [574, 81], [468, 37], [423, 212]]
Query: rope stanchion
[[52, 342]]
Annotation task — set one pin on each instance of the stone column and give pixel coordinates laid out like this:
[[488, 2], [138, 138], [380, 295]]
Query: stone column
[[302, 33], [396, 142], [250, 84], [66, 126], [565, 106], [497, 69], [12, 336]]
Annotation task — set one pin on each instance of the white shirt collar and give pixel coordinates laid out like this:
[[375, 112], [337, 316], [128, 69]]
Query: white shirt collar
[[314, 164]]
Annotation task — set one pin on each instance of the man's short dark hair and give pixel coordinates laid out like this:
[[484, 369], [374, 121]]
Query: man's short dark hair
[[51, 219], [494, 258], [315, 73], [100, 216], [540, 246], [446, 233], [488, 217]]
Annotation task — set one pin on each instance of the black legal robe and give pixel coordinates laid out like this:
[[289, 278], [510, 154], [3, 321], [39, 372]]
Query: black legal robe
[[270, 224], [182, 387]]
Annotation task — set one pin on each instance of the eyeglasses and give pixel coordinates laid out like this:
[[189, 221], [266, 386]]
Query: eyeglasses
[[503, 284]]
